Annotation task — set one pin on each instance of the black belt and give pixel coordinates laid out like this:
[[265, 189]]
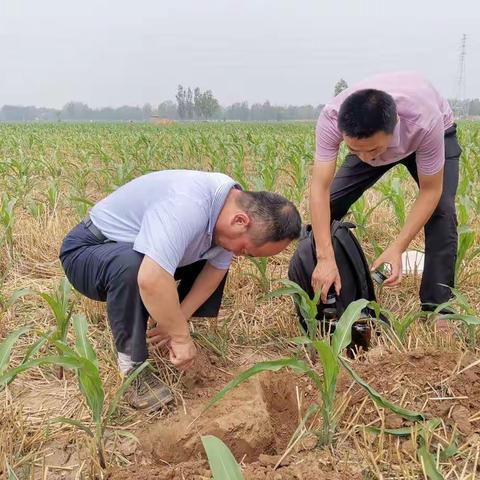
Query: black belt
[[87, 221]]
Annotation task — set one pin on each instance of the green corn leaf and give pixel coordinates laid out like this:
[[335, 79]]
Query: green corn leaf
[[397, 432], [10, 473], [73, 422], [343, 330], [330, 365], [31, 351], [7, 345], [54, 305], [222, 463], [449, 451], [280, 292], [35, 347], [63, 361], [126, 383], [272, 366], [92, 389], [466, 319], [406, 431], [379, 400], [83, 345], [303, 340], [23, 292], [428, 461]]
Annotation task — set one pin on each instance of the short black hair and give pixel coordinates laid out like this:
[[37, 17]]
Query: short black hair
[[277, 218], [366, 112]]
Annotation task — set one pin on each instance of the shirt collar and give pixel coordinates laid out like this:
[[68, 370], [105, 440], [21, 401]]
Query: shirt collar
[[219, 200], [395, 136]]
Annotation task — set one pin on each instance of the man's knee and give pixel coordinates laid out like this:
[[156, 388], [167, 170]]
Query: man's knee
[[128, 265]]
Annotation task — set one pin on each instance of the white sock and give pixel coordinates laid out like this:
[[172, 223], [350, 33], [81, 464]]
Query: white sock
[[125, 363]]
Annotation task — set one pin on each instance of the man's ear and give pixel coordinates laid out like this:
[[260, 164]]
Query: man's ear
[[241, 220]]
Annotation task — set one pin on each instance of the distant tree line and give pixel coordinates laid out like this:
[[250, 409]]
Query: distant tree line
[[191, 104], [242, 111]]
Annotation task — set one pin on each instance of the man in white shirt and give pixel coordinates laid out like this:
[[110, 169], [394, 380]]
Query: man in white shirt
[[159, 228]]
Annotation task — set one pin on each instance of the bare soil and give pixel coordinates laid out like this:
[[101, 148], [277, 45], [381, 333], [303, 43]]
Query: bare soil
[[257, 419]]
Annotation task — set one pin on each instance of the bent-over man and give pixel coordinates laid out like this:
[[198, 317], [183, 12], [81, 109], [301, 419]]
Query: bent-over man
[[164, 227], [386, 120]]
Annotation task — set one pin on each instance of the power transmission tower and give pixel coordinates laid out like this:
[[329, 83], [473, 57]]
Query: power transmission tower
[[462, 103]]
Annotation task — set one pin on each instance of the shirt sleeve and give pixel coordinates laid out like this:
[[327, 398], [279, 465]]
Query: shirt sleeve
[[222, 260], [430, 154], [328, 137], [166, 231]]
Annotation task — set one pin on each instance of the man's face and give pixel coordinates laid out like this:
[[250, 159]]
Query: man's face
[[244, 245], [239, 237], [368, 149]]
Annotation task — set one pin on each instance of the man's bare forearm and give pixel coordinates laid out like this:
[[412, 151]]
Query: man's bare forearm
[[205, 284], [159, 294], [320, 213]]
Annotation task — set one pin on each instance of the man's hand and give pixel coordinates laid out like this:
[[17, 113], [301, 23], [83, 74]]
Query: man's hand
[[325, 274], [182, 352], [393, 256], [156, 335]]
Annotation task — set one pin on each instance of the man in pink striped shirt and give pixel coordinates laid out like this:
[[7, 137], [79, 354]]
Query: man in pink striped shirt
[[385, 120]]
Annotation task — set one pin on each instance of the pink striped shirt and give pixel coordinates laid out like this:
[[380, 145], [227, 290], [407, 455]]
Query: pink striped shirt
[[424, 115]]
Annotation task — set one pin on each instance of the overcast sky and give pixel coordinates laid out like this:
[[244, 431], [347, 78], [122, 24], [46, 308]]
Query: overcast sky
[[287, 51]]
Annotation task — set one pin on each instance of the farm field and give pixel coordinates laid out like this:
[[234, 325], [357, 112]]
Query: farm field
[[50, 175]]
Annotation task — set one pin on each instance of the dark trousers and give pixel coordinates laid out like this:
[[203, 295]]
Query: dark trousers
[[355, 176], [107, 272]]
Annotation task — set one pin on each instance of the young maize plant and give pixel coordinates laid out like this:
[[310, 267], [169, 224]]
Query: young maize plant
[[463, 312], [61, 304], [361, 215], [237, 152], [53, 194], [393, 193], [261, 275], [466, 238], [298, 159], [7, 218], [398, 325], [83, 360], [329, 354], [267, 169], [91, 386]]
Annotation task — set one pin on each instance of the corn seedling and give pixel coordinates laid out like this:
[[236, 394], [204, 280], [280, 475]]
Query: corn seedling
[[83, 360], [35, 208], [394, 194], [329, 354], [461, 311], [6, 347], [53, 194], [221, 460], [91, 385], [361, 216], [466, 238], [7, 218], [61, 305], [261, 275]]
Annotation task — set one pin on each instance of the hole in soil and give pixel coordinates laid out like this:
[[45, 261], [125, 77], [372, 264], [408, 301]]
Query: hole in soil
[[257, 417]]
